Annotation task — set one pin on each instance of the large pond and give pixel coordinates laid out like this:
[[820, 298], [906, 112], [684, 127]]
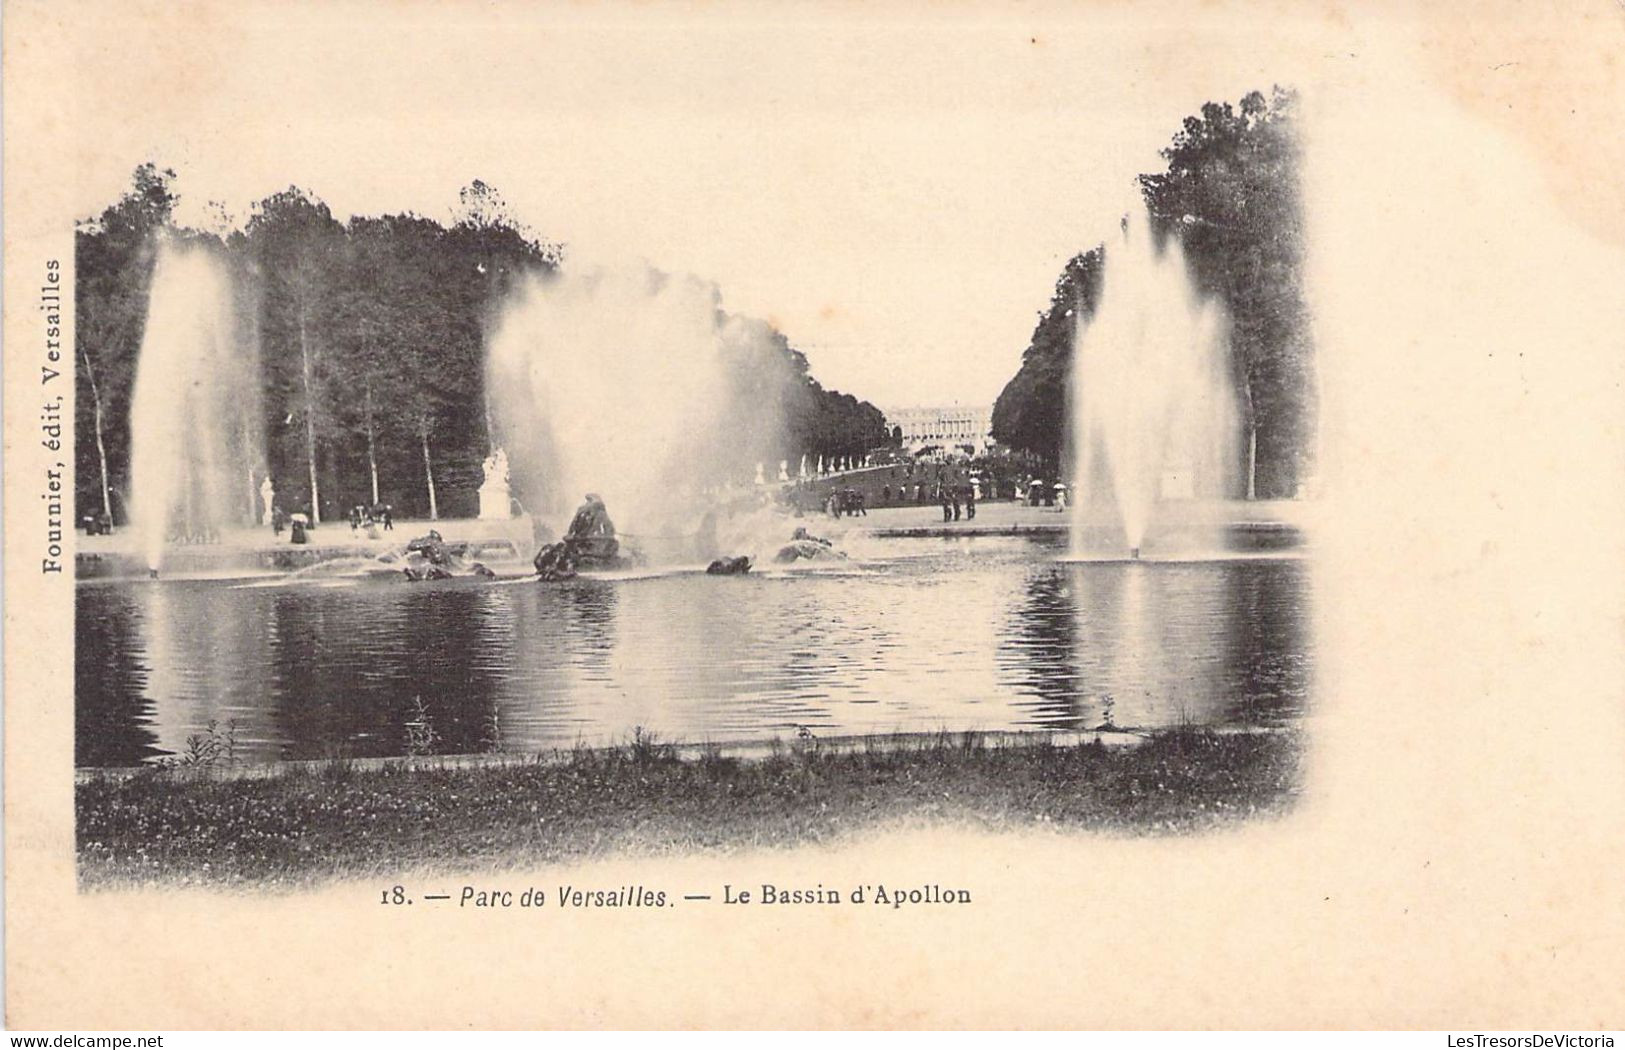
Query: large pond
[[959, 633]]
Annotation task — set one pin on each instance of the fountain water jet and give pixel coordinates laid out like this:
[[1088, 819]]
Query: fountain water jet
[[1153, 410], [195, 444], [618, 383]]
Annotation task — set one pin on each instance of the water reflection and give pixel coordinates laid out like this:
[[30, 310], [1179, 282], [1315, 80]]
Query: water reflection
[[352, 669], [112, 715], [1040, 658], [957, 634], [1200, 642]]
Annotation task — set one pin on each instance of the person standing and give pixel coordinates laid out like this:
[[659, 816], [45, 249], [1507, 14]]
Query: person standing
[[970, 501]]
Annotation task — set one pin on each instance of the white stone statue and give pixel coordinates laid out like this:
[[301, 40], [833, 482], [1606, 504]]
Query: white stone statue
[[803, 465], [496, 500], [759, 479], [784, 470], [267, 497]]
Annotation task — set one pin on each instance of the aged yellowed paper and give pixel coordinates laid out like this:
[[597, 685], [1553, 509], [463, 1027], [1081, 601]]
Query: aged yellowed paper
[[1339, 743]]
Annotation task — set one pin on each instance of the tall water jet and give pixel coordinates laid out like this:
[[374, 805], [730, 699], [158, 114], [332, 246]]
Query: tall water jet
[[1152, 402], [620, 384], [194, 419]]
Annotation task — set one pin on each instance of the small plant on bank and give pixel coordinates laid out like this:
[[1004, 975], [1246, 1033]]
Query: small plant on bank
[[207, 749], [339, 770], [1184, 720], [805, 744], [712, 760], [645, 746], [420, 735], [1108, 707], [491, 737]]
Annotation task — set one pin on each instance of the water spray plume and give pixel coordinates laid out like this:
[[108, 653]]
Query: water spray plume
[[1153, 410], [618, 383], [195, 442]]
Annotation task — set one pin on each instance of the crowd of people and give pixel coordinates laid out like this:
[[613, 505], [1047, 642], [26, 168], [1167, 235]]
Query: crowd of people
[[956, 491], [374, 520], [97, 524], [951, 495], [379, 515], [846, 503]]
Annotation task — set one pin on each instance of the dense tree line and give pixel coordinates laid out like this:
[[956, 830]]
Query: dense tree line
[[1230, 193], [367, 338], [766, 372], [1031, 412]]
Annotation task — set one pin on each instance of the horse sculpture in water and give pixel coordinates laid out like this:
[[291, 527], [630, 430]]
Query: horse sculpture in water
[[590, 543], [430, 557]]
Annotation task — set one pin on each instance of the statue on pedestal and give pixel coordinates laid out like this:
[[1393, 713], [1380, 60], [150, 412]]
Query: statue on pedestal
[[784, 470], [759, 479], [496, 503], [267, 497]]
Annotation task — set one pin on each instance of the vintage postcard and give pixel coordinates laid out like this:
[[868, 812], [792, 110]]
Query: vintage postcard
[[814, 515]]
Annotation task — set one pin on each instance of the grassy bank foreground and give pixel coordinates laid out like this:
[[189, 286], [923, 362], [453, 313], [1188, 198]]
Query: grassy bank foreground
[[308, 823]]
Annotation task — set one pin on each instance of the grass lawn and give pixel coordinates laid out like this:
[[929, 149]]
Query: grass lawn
[[305, 824]]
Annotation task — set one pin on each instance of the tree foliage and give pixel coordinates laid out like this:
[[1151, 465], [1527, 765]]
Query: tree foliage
[[371, 345], [113, 260], [1231, 194], [1031, 412], [780, 411]]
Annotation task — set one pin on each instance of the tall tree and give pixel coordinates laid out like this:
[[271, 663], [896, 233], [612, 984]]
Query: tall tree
[[298, 249], [487, 250], [113, 260], [370, 335], [1231, 193], [1031, 412], [377, 329]]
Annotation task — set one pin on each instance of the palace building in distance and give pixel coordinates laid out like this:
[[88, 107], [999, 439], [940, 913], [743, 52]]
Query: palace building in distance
[[949, 427]]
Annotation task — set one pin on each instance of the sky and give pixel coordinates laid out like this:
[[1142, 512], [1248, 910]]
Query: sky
[[897, 194]]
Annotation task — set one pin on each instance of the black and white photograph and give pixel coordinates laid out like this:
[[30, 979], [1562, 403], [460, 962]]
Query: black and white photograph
[[949, 487]]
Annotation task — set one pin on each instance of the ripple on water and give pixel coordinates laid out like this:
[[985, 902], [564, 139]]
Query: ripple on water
[[990, 633]]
